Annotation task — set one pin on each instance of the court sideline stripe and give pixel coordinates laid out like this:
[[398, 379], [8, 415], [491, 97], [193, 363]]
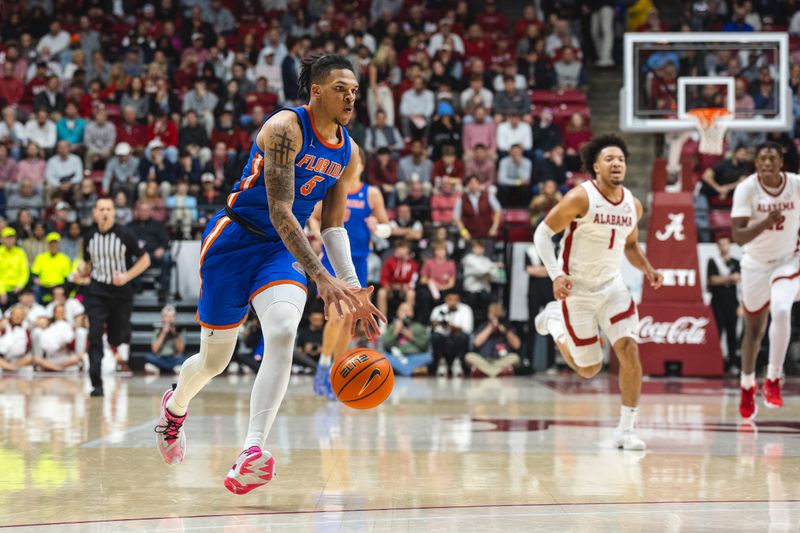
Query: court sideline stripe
[[379, 509]]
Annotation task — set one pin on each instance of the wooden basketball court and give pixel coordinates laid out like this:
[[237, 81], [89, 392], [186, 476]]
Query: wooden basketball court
[[515, 454]]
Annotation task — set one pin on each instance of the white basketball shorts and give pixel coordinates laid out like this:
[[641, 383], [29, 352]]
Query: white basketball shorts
[[757, 283], [609, 308]]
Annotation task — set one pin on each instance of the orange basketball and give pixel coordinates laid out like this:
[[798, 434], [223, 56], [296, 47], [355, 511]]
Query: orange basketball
[[362, 378]]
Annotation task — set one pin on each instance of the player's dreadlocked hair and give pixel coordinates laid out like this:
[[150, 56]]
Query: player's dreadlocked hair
[[317, 67], [593, 148], [769, 145]]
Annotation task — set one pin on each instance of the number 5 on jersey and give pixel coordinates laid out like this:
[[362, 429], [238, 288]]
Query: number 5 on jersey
[[308, 186]]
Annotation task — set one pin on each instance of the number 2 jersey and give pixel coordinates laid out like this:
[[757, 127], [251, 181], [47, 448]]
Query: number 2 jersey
[[317, 167], [751, 199]]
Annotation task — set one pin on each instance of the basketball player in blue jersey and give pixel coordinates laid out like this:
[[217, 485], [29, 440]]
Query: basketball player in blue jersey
[[365, 215], [255, 252]]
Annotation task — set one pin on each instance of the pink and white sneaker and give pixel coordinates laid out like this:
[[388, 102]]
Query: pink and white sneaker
[[252, 469], [170, 438]]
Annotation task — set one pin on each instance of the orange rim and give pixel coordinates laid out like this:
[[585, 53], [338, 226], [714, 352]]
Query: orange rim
[[706, 116]]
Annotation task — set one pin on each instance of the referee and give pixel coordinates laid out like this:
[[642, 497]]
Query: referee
[[114, 257]]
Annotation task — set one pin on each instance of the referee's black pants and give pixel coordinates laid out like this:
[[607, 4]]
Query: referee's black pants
[[111, 314]]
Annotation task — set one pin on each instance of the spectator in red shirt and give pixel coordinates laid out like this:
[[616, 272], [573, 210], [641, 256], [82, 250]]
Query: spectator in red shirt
[[130, 131], [449, 167], [164, 129], [225, 131], [664, 86], [482, 130], [576, 134], [442, 203], [185, 74], [20, 64], [11, 89], [528, 19], [477, 213], [91, 99], [263, 96], [197, 49], [476, 44], [492, 20], [36, 84], [412, 72], [382, 173], [502, 55], [480, 165], [116, 83], [223, 166], [398, 278], [437, 276]]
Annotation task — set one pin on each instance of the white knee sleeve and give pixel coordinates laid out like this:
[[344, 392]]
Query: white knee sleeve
[[279, 310], [216, 349], [780, 329]]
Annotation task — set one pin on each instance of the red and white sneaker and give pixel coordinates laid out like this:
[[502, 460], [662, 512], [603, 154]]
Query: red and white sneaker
[[772, 393], [747, 403], [170, 438], [252, 469]]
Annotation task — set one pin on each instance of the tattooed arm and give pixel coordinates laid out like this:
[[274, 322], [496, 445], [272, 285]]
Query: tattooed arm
[[280, 139]]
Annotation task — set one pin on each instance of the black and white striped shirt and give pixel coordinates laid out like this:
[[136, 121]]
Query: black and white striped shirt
[[113, 251]]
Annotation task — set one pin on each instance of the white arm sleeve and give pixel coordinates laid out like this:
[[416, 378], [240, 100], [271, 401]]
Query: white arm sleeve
[[543, 240], [337, 246]]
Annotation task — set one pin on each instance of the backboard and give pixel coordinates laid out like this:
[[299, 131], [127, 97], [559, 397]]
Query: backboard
[[666, 75]]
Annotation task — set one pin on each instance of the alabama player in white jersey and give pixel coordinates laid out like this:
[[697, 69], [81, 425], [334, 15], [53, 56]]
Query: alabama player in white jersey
[[600, 218], [765, 222]]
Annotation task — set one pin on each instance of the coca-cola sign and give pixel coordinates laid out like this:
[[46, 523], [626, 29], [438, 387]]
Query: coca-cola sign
[[684, 333], [683, 330]]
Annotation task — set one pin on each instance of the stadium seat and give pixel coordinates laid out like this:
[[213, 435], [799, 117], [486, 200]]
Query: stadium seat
[[554, 98], [516, 216], [516, 224], [719, 219]]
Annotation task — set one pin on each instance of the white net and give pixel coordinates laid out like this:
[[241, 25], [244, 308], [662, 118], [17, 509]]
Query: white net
[[712, 123]]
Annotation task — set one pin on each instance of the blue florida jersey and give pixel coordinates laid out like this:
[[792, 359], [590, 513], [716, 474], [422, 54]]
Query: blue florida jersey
[[318, 166], [358, 210]]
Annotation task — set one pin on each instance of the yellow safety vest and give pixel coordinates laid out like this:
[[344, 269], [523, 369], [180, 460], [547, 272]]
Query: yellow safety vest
[[14, 270], [52, 269]]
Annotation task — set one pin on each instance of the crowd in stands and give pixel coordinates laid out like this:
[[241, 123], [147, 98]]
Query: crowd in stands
[[464, 117]]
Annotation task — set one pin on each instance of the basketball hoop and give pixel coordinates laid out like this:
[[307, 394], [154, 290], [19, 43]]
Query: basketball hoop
[[712, 122]]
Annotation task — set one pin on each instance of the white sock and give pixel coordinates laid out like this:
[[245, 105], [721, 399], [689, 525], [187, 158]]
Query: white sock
[[324, 360], [748, 381], [279, 310], [216, 349], [556, 330], [773, 372], [627, 417], [124, 351]]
